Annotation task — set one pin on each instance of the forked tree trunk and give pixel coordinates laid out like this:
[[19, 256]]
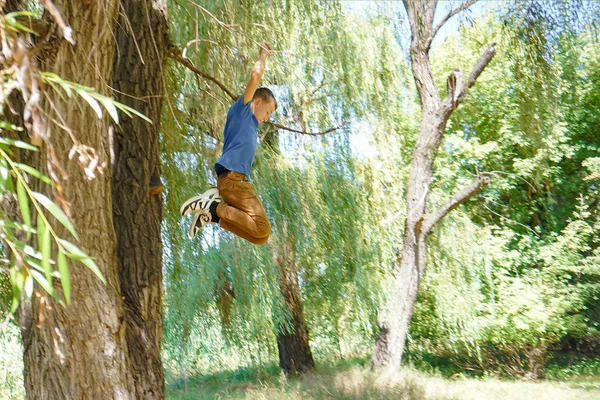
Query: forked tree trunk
[[79, 351], [139, 82], [408, 269]]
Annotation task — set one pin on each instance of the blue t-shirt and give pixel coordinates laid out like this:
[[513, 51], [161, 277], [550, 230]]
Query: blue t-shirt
[[241, 134]]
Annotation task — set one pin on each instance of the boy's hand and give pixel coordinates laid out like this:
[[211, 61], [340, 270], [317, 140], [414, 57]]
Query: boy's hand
[[265, 49]]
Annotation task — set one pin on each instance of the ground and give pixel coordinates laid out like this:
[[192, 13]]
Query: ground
[[351, 380]]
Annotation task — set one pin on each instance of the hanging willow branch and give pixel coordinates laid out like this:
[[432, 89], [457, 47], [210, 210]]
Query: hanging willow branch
[[176, 55]]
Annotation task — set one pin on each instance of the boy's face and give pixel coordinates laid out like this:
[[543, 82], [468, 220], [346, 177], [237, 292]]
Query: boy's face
[[262, 109]]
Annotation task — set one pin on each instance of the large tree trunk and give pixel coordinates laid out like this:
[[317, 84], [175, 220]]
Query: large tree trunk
[[409, 267], [79, 351], [139, 83], [295, 355]]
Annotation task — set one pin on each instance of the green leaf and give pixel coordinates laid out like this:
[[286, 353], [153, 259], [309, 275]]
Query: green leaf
[[57, 90], [16, 225], [41, 279], [3, 176], [45, 249], [18, 143], [19, 27], [110, 107], [28, 250], [36, 264], [56, 211], [128, 110], [29, 286], [10, 127], [52, 78], [16, 14], [41, 229], [76, 253], [24, 205], [91, 101], [9, 184], [34, 172], [65, 278]]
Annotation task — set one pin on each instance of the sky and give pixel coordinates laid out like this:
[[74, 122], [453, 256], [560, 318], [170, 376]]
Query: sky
[[395, 10], [360, 142]]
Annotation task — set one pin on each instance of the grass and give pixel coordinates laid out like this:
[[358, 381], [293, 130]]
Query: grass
[[353, 380]]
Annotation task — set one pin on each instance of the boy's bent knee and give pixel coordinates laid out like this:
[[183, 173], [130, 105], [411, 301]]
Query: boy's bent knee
[[262, 240]]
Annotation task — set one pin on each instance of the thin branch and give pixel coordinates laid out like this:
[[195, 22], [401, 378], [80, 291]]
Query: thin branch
[[511, 220], [463, 6], [175, 54], [459, 198], [278, 126], [66, 29]]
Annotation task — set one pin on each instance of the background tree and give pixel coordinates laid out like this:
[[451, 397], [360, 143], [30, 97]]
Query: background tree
[[409, 266]]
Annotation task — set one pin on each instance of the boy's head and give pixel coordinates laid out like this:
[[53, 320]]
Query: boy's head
[[263, 104]]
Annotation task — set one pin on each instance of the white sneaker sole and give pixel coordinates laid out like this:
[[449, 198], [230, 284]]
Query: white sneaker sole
[[197, 203]]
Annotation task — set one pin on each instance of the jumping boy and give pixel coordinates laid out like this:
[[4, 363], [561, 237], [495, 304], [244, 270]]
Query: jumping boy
[[233, 203]]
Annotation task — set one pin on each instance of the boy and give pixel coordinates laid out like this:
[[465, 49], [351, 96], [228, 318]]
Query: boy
[[233, 203]]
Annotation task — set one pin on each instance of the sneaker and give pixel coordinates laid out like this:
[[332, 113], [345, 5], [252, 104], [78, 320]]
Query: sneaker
[[202, 201], [200, 220]]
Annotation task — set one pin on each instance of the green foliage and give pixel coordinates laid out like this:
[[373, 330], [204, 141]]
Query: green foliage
[[522, 279], [330, 220]]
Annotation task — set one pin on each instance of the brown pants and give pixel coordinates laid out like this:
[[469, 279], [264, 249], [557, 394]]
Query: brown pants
[[241, 211]]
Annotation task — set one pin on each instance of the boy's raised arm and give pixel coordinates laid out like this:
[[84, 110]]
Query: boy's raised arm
[[257, 72]]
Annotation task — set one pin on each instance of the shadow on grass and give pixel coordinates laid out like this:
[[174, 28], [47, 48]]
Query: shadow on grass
[[344, 379]]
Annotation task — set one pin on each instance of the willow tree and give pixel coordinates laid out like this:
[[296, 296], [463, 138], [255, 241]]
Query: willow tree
[[80, 351], [409, 266], [105, 342], [221, 73]]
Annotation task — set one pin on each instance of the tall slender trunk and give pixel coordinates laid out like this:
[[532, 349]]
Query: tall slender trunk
[[293, 345], [295, 355], [409, 266], [79, 351], [139, 82]]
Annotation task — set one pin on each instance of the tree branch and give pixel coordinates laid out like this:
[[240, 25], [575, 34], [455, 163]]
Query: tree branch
[[452, 100], [176, 55], [278, 126], [463, 6], [459, 198], [480, 65]]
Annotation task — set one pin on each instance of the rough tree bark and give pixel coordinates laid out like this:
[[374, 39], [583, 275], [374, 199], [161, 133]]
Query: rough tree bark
[[79, 352], [409, 265], [293, 345], [139, 82]]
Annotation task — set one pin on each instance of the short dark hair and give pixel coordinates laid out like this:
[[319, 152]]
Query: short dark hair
[[265, 94]]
